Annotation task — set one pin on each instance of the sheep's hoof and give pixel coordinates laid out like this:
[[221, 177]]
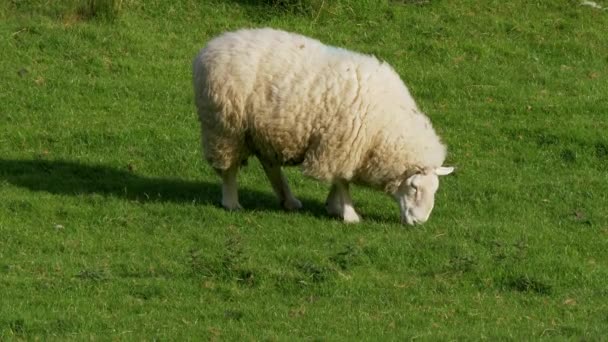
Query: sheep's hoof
[[292, 204], [351, 216], [351, 219], [232, 206]]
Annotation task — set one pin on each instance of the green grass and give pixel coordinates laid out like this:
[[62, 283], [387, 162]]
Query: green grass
[[109, 219]]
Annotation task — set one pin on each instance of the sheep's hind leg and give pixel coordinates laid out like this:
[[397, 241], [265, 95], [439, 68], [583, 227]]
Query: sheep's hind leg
[[230, 195], [279, 185], [340, 204], [333, 204]]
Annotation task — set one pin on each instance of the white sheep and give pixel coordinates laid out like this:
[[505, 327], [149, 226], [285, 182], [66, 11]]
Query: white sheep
[[343, 116]]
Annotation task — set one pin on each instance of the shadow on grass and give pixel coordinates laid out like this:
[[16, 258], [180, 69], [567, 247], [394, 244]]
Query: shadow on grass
[[72, 178]]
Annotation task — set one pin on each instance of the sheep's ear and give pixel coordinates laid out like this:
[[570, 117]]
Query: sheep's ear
[[444, 170]]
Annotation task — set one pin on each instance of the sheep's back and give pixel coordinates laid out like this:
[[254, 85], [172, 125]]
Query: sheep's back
[[281, 88]]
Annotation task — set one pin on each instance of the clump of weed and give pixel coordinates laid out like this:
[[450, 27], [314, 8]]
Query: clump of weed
[[350, 256], [313, 272], [568, 156], [509, 252], [146, 292], [233, 315], [411, 2], [579, 216], [203, 264], [227, 265], [20, 206], [526, 284], [306, 276], [462, 264], [601, 150], [306, 8], [17, 326], [302, 7], [101, 9], [94, 275], [64, 325]]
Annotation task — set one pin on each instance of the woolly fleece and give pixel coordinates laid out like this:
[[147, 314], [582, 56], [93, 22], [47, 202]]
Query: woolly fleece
[[292, 100]]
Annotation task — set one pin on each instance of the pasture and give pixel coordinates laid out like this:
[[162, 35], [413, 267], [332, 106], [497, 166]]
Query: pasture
[[110, 224]]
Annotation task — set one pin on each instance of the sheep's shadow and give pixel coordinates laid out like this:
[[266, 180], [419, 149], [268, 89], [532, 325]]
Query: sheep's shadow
[[73, 178]]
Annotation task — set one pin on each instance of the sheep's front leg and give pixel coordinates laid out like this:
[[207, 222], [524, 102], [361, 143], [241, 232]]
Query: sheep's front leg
[[340, 204], [230, 195], [279, 185], [333, 204]]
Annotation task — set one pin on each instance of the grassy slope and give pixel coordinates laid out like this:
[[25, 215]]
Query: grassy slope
[[108, 218]]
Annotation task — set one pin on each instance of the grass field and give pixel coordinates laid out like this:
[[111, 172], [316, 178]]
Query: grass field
[[109, 219]]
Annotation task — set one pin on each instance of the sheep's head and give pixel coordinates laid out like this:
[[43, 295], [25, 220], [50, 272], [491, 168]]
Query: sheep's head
[[416, 194]]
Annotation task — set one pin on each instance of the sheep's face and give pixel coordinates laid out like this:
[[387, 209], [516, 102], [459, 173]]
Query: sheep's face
[[416, 195]]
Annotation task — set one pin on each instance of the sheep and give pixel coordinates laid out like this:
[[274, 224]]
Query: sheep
[[343, 116]]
